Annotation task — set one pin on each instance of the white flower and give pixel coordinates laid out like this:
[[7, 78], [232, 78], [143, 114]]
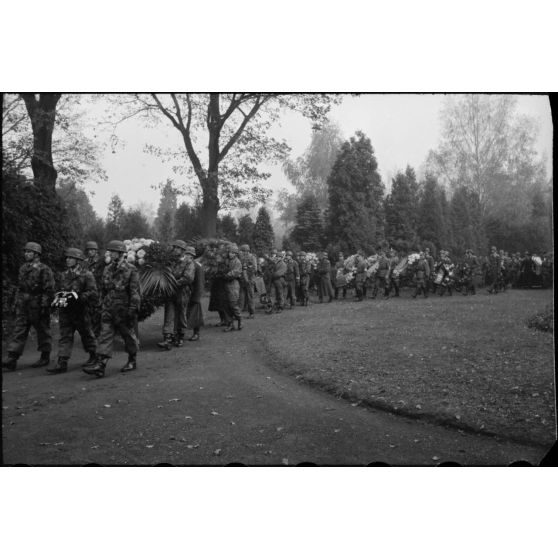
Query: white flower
[[141, 261], [141, 254]]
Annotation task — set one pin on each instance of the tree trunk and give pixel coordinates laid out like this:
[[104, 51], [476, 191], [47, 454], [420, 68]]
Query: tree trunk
[[210, 206], [42, 113]]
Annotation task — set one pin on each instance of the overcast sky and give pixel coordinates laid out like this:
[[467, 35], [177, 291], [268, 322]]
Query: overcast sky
[[402, 129]]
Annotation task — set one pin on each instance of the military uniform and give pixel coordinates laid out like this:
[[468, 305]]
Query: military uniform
[[470, 270], [494, 272], [382, 277], [340, 281], [278, 270], [33, 299], [304, 268], [430, 280], [360, 277], [76, 315], [96, 266], [324, 274], [175, 323], [232, 272], [393, 280], [422, 272], [194, 312], [249, 270], [292, 279], [120, 298]]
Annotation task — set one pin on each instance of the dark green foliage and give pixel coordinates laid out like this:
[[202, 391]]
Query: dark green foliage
[[308, 231], [355, 196], [245, 230], [543, 321], [187, 222], [401, 210], [114, 218], [227, 228], [264, 237], [156, 281], [134, 225], [431, 225], [165, 220], [467, 230]]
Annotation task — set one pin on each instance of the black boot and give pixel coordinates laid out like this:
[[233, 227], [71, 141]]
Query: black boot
[[11, 362], [44, 359], [239, 320], [60, 367], [178, 341], [130, 365], [98, 369], [195, 337], [230, 327], [166, 343], [92, 359]]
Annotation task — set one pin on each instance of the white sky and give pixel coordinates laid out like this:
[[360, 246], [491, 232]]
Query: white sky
[[402, 129]]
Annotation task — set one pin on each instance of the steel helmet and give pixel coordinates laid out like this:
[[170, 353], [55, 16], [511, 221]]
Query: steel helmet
[[233, 248], [245, 247], [116, 246], [289, 253], [74, 253], [33, 247], [190, 250], [91, 245], [180, 244]]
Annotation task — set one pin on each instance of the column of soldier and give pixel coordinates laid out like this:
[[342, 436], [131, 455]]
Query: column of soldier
[[99, 298]]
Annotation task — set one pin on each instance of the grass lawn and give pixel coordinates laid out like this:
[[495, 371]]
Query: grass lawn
[[467, 361]]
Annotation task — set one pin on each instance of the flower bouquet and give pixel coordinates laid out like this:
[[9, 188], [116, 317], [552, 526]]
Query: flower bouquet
[[157, 282], [371, 266], [312, 259]]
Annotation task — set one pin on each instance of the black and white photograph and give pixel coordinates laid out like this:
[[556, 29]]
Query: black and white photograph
[[277, 279]]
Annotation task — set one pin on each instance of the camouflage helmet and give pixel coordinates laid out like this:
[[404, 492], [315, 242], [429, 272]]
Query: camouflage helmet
[[190, 250], [75, 253], [116, 246], [91, 245], [245, 247], [33, 247], [180, 244], [289, 253], [302, 253], [233, 248]]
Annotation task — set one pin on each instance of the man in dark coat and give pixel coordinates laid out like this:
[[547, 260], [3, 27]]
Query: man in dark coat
[[527, 270], [393, 279], [120, 306], [494, 270], [278, 270], [339, 277], [430, 261], [77, 293], [360, 275], [32, 305], [470, 269]]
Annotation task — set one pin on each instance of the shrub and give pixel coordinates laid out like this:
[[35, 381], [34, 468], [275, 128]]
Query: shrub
[[543, 321]]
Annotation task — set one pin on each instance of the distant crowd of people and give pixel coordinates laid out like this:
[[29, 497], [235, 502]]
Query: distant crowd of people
[[99, 296]]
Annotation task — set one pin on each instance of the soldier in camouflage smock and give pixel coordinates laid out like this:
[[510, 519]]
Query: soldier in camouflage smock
[[249, 271], [120, 298], [231, 275], [183, 270], [292, 278], [32, 304], [305, 269], [96, 265], [77, 293]]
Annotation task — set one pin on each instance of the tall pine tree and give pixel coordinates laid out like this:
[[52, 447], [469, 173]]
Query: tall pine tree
[[164, 222], [114, 218], [264, 237], [356, 192], [466, 225], [187, 222], [431, 219], [308, 231], [246, 230], [227, 228], [401, 210]]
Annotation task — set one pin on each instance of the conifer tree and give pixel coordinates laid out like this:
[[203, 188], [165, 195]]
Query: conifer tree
[[430, 223], [227, 228], [401, 210], [308, 231], [246, 230], [114, 218], [264, 237], [355, 191], [187, 224]]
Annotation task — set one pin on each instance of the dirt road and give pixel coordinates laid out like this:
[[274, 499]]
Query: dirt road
[[214, 402]]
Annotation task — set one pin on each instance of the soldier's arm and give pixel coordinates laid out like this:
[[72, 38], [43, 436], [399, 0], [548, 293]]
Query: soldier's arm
[[90, 295], [186, 277], [135, 298], [48, 287]]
